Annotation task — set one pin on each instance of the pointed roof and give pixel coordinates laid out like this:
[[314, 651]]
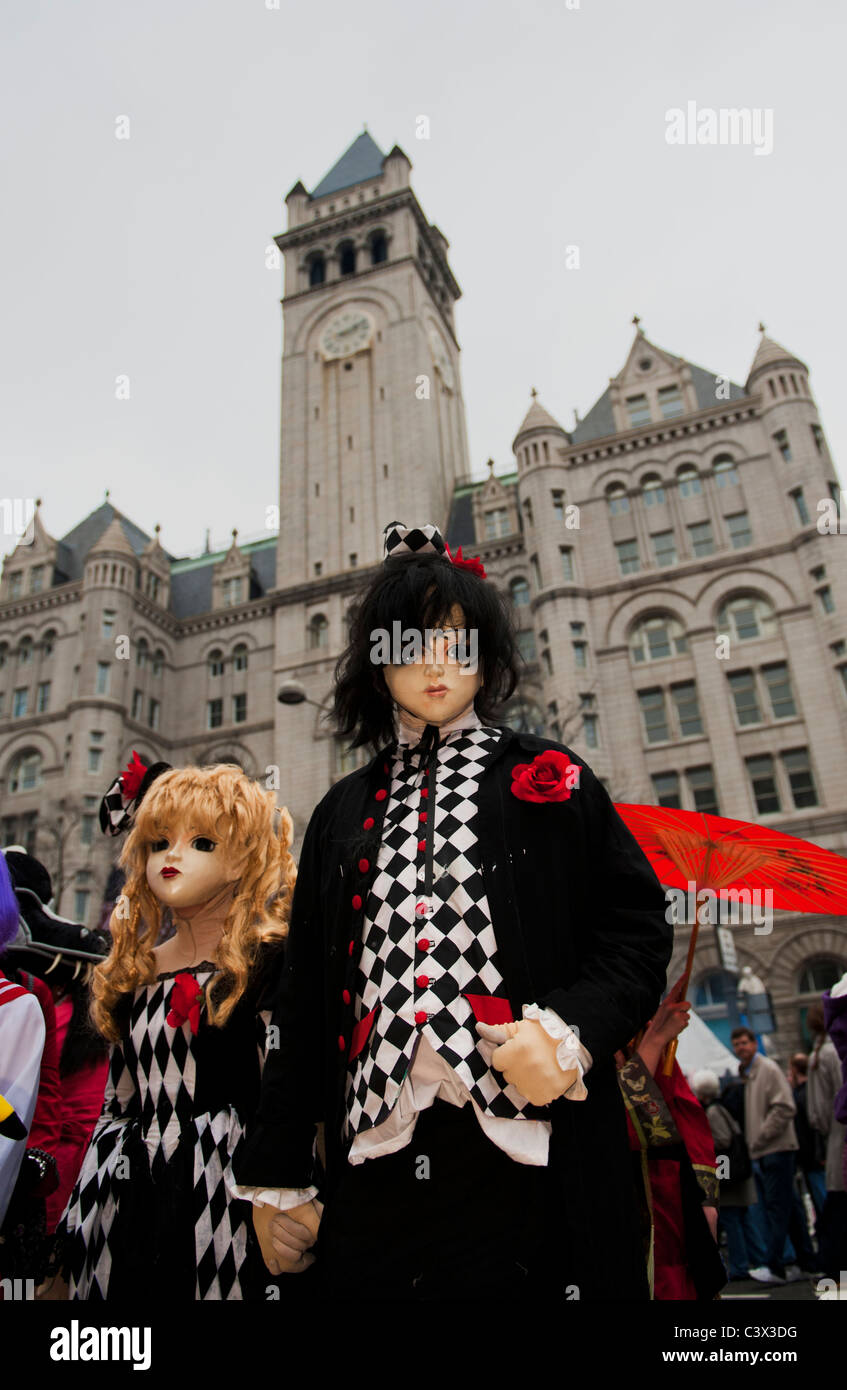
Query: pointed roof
[[81, 539], [360, 161], [537, 418], [768, 353], [113, 539]]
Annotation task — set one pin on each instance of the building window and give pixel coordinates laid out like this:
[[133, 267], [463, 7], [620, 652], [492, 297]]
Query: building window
[[318, 632], [652, 490], [684, 696], [548, 661], [158, 662], [102, 683], [137, 703], [496, 523], [25, 651], [48, 642], [747, 618], [348, 759], [725, 470], [20, 702], [800, 507], [141, 651], [526, 643], [670, 402], [782, 444], [36, 579], [25, 772], [760, 770], [658, 637], [628, 558], [214, 714], [664, 548], [95, 759], [86, 831], [778, 681], [81, 898], [42, 702], [802, 783], [638, 410], [536, 571], [153, 714], [566, 552], [654, 715], [738, 526], [666, 789], [701, 784], [232, 591], [107, 624], [558, 497], [817, 435], [589, 730], [519, 592], [216, 663], [16, 584], [617, 499], [379, 248], [527, 510], [742, 685], [702, 541], [239, 708], [239, 657], [347, 258], [317, 270], [689, 481], [826, 600], [580, 655]]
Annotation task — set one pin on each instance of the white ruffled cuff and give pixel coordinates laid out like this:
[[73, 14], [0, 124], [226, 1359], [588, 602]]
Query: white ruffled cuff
[[284, 1198], [570, 1053]]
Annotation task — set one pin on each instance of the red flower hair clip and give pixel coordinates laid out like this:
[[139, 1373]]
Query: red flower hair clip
[[131, 777], [551, 776], [186, 999], [474, 564]]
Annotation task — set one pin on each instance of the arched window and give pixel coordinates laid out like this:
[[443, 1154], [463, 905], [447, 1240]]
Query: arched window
[[379, 248], [519, 592], [347, 258], [747, 616], [239, 657], [652, 489], [617, 498], [4, 652], [317, 269], [725, 470], [689, 481], [819, 974], [142, 652], [48, 642], [25, 771], [318, 631], [158, 661], [25, 651], [657, 637], [216, 662]]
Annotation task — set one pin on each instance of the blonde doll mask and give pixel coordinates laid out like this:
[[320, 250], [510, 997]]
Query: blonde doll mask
[[186, 868]]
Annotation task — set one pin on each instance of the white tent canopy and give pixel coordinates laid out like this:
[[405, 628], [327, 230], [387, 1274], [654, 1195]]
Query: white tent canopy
[[698, 1048]]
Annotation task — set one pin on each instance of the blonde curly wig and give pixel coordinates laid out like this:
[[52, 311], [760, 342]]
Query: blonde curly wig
[[223, 803]]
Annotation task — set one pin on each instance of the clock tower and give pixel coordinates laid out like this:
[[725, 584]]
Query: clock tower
[[373, 425]]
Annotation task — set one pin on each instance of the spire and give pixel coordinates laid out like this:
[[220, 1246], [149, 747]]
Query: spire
[[769, 353], [360, 162], [537, 418]]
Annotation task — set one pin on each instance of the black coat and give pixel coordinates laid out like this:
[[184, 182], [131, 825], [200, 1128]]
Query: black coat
[[579, 918]]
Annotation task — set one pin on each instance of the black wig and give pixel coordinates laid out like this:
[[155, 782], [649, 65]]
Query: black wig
[[419, 592]]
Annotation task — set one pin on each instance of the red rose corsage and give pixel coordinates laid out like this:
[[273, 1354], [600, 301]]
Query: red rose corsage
[[186, 1000], [132, 776], [473, 564], [551, 776]]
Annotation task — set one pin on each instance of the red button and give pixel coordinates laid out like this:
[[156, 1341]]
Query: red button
[[346, 996], [381, 794], [421, 844], [350, 948], [424, 944], [357, 901], [340, 1044], [424, 791], [420, 1017], [364, 865], [420, 909], [422, 981], [422, 815], [368, 824]]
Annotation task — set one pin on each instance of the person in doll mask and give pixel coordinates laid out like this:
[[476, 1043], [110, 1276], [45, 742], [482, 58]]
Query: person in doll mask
[[474, 934], [151, 1210]]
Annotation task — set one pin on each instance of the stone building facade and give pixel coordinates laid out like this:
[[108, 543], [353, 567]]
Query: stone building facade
[[673, 562]]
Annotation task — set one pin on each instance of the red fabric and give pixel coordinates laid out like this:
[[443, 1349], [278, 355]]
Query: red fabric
[[490, 1008], [360, 1034], [82, 1101], [46, 1131]]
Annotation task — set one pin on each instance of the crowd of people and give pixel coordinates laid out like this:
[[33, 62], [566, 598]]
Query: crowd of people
[[216, 1098]]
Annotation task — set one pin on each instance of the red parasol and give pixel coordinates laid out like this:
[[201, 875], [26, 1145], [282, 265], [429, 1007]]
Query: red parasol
[[715, 852]]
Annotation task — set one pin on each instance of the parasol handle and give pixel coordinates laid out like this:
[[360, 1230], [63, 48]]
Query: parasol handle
[[670, 1050]]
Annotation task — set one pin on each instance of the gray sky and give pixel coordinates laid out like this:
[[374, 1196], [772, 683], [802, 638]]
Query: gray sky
[[146, 256]]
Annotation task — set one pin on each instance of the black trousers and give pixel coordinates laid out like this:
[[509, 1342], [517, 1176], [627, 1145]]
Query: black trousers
[[448, 1216]]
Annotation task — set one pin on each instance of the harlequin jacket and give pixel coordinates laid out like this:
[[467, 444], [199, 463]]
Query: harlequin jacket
[[580, 923]]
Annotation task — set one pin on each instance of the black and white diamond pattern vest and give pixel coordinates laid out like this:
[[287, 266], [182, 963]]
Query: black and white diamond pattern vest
[[426, 956]]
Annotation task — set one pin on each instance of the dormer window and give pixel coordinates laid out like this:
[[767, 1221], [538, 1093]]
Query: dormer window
[[638, 410], [232, 592], [670, 402]]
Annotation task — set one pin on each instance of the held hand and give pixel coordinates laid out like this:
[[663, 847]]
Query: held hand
[[527, 1058], [711, 1215], [671, 1017], [285, 1237]]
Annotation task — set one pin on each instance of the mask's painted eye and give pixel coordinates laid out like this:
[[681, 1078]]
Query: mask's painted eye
[[157, 846], [203, 843]]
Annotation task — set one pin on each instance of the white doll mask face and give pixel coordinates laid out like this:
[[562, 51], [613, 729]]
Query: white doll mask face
[[186, 869], [436, 688]]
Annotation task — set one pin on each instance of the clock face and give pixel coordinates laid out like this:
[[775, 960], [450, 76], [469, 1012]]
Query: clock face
[[441, 358], [348, 332]]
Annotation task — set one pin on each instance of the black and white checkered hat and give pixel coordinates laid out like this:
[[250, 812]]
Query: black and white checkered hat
[[400, 540]]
